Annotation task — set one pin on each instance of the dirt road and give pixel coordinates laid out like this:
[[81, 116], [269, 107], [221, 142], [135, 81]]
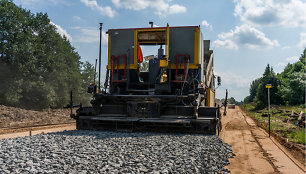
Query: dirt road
[[4, 134], [255, 151]]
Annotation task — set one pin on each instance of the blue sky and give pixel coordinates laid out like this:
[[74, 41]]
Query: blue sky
[[245, 35]]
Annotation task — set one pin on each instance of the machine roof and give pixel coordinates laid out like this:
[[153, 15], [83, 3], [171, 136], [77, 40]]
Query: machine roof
[[152, 28]]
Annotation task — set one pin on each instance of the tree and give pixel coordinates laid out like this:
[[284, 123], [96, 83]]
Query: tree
[[293, 80], [269, 77], [38, 67], [288, 86], [253, 89], [88, 77], [247, 99], [231, 100]]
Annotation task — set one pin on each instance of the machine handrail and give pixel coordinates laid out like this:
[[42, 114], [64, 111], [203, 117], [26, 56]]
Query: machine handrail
[[187, 57], [114, 58]]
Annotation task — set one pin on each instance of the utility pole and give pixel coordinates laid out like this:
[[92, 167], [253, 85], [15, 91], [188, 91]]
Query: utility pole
[[99, 87], [95, 75], [269, 86]]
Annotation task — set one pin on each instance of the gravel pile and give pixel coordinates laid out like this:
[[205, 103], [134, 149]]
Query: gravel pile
[[114, 152]]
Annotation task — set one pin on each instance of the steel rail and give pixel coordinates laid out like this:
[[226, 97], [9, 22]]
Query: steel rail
[[35, 126]]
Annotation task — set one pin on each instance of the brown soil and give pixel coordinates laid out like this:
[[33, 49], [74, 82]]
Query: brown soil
[[34, 128], [12, 133], [16, 117], [255, 151], [295, 150]]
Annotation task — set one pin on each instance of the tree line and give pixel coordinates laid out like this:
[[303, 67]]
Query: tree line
[[230, 100], [38, 67], [288, 87]]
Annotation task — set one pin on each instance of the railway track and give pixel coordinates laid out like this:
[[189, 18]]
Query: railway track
[[20, 127], [33, 128]]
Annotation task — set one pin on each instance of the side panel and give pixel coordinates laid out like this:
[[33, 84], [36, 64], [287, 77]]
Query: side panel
[[210, 97], [184, 40], [121, 42], [196, 45], [181, 41], [201, 58]]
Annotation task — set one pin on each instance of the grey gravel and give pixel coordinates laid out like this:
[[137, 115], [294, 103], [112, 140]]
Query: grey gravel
[[114, 152]]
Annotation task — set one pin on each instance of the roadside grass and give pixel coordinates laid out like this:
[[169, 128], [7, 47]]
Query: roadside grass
[[299, 135], [281, 122]]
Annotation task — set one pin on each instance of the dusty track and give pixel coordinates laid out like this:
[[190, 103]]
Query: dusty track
[[38, 129], [255, 151]]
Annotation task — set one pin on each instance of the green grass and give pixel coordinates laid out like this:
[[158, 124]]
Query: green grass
[[299, 136], [285, 129]]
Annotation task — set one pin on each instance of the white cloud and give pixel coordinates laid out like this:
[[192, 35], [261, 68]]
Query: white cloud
[[292, 59], [40, 2], [231, 79], [27, 2], [90, 35], [286, 47], [62, 31], [302, 43], [174, 9], [161, 7], [287, 13], [245, 35], [206, 24], [132, 4], [236, 84], [225, 44], [104, 11], [279, 67], [77, 18]]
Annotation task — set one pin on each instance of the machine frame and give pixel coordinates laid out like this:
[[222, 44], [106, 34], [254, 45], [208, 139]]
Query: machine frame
[[177, 93]]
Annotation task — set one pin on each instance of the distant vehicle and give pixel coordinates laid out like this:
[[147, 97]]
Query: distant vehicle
[[231, 106]]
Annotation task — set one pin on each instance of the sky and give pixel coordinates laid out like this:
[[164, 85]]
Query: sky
[[245, 35]]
